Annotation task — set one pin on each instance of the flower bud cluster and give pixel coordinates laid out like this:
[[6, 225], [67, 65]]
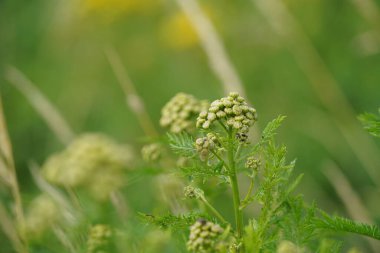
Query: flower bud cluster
[[42, 213], [98, 238], [252, 163], [93, 162], [288, 247], [152, 152], [232, 109], [191, 192], [179, 112], [204, 236], [204, 145]]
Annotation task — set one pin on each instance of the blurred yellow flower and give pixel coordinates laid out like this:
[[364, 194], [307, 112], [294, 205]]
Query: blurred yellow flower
[[178, 33], [118, 7]]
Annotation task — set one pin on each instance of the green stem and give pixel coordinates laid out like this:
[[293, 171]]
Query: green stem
[[235, 186], [223, 126], [220, 159], [213, 210], [251, 185]]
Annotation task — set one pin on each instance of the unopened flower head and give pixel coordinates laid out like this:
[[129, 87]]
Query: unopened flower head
[[204, 236], [288, 247], [42, 213], [252, 163], [98, 238], [179, 112], [192, 192], [204, 145], [152, 152], [232, 110], [87, 161]]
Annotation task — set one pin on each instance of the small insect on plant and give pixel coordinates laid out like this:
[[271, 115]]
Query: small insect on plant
[[213, 156]]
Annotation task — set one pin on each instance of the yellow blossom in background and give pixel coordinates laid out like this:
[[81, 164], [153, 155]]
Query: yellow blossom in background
[[177, 32], [115, 8]]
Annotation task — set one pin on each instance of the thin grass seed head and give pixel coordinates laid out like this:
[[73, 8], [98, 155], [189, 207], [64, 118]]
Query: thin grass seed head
[[204, 236], [178, 114], [232, 110]]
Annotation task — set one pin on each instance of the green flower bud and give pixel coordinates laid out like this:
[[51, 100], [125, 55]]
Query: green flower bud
[[98, 238], [204, 236], [231, 110], [252, 163], [288, 247], [86, 162], [152, 152], [179, 112]]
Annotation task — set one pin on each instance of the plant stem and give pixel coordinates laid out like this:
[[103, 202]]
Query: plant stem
[[213, 210], [251, 185], [220, 159], [235, 186]]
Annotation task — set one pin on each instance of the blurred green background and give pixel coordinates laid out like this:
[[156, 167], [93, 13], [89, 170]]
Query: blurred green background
[[59, 45]]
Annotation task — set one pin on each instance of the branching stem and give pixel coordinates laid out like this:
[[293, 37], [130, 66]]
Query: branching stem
[[212, 209], [249, 193], [234, 185]]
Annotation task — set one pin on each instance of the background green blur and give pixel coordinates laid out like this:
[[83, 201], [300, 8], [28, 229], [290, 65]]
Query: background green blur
[[60, 46]]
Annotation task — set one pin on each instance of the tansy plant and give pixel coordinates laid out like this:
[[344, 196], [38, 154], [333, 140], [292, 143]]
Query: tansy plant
[[213, 146]]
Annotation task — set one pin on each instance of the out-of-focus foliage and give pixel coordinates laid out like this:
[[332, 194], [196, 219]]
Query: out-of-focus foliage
[[371, 123]]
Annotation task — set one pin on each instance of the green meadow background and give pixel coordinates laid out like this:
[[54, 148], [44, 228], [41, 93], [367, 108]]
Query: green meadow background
[[60, 46]]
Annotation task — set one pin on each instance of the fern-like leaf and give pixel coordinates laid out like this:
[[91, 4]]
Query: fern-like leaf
[[182, 144], [341, 224], [371, 123], [174, 222]]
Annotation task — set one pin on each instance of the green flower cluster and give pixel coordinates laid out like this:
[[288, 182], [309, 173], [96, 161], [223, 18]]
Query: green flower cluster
[[179, 112], [204, 236], [252, 163], [98, 238], [42, 213], [152, 152], [92, 161], [191, 192], [288, 247], [204, 145], [233, 110]]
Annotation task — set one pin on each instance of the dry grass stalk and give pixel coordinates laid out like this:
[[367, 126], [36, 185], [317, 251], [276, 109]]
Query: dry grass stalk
[[369, 10], [8, 166], [323, 83], [41, 104], [8, 226], [135, 103], [213, 47]]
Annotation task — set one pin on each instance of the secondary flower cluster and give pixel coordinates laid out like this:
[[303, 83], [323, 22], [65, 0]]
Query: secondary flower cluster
[[191, 192], [179, 112], [204, 145], [232, 109], [151, 152], [92, 161], [203, 236], [252, 163], [43, 212], [98, 238]]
